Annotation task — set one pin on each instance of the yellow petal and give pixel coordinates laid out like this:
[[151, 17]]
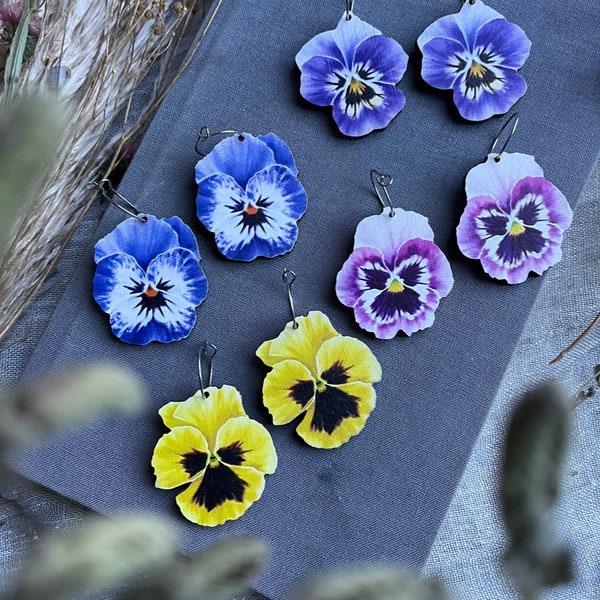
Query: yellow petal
[[300, 344], [209, 413], [338, 413], [222, 494], [242, 441], [346, 360], [180, 456], [288, 390]]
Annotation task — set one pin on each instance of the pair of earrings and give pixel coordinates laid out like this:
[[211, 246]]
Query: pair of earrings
[[223, 455], [513, 223], [355, 69]]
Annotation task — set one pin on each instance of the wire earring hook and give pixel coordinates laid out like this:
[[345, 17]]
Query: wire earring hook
[[207, 351], [288, 278], [349, 9], [383, 181], [515, 118], [127, 207], [206, 133]]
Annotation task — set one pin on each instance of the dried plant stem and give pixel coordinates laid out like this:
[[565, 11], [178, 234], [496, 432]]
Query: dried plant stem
[[571, 346]]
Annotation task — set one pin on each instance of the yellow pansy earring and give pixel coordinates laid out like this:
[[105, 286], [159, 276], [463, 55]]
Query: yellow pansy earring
[[318, 373], [214, 448]]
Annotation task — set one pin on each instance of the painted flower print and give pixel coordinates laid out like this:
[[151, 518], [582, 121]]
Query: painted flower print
[[354, 69], [476, 53], [217, 451], [148, 279], [322, 375], [395, 277], [249, 196], [514, 219]]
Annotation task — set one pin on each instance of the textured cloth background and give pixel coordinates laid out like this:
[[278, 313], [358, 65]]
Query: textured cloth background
[[428, 415]]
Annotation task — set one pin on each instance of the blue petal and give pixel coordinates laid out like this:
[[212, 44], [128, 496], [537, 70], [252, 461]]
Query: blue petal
[[240, 155], [319, 82], [283, 155], [322, 44], [141, 240], [216, 194], [472, 17], [507, 43], [384, 56], [349, 33], [445, 27], [440, 63], [184, 235]]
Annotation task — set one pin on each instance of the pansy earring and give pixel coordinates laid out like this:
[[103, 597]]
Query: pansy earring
[[148, 277], [249, 195], [476, 53], [395, 277], [317, 373], [354, 69], [514, 219], [216, 450]]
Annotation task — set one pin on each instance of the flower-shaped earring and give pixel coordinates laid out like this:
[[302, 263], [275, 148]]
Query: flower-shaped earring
[[214, 448], [354, 69], [395, 277], [476, 53], [148, 277], [249, 195], [320, 374], [514, 219]]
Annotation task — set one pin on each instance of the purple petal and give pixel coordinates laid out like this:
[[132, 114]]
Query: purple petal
[[283, 154], [323, 45], [440, 65], [319, 83], [383, 56], [349, 33], [355, 118], [481, 220], [364, 270], [505, 42], [387, 234]]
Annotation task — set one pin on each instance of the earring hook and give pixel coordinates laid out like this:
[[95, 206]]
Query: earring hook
[[126, 207], [383, 181], [349, 9], [207, 351], [288, 278], [514, 117], [206, 133]]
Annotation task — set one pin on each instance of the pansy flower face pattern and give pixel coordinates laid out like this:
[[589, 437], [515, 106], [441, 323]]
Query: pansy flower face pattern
[[148, 279], [354, 69], [217, 451], [249, 196], [324, 376], [395, 277], [476, 53], [514, 219]]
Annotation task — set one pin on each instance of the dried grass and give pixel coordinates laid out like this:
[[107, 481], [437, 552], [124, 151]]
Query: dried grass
[[92, 56]]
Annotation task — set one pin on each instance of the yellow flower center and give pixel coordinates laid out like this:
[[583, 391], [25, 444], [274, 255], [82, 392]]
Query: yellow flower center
[[477, 70], [356, 87], [516, 229], [213, 461], [395, 287]]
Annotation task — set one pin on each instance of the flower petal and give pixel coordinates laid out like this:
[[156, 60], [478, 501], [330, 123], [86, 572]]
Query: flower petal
[[141, 240], [481, 220], [387, 234], [301, 344], [383, 57], [345, 359], [281, 151], [239, 156], [472, 17], [321, 80], [323, 44], [180, 456], [349, 33], [338, 413], [506, 41], [185, 237], [287, 391], [440, 66], [222, 494], [243, 441]]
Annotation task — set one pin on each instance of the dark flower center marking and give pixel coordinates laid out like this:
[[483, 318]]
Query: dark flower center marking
[[337, 374], [151, 298], [193, 462], [359, 93], [411, 274], [479, 76], [515, 247], [302, 392], [529, 213], [332, 406], [494, 224], [389, 304], [219, 484], [252, 215], [232, 454], [375, 279]]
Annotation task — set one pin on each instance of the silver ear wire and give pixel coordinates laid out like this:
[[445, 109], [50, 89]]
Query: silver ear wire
[[515, 118], [206, 133], [207, 352], [349, 9], [105, 186], [288, 278], [383, 181]]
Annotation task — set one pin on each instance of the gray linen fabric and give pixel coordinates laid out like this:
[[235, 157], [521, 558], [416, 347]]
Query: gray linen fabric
[[381, 496]]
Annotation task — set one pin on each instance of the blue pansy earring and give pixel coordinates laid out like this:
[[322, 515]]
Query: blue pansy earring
[[249, 195], [148, 277], [476, 53], [354, 69]]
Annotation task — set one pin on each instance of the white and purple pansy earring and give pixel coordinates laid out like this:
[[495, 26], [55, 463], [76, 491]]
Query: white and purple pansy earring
[[514, 219], [354, 69], [475, 53], [148, 277], [249, 195], [395, 277]]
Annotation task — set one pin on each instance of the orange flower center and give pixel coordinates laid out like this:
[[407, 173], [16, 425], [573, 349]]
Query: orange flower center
[[251, 209], [150, 292]]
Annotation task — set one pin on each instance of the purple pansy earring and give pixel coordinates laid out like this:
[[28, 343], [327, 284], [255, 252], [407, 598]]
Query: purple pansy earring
[[395, 277], [514, 219], [354, 69], [476, 53]]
